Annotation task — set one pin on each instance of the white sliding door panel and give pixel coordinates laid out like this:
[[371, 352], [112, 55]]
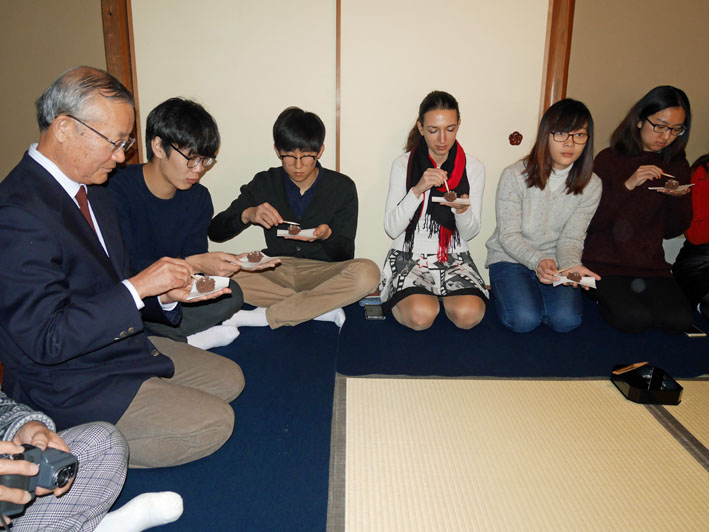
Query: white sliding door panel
[[245, 62], [489, 55]]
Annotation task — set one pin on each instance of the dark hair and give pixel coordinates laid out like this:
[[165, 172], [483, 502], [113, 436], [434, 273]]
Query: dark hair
[[73, 91], [296, 129], [565, 115], [626, 137], [703, 161], [433, 100], [184, 123]]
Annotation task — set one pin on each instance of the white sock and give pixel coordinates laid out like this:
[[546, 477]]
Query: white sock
[[145, 511], [336, 316], [216, 336], [248, 318]]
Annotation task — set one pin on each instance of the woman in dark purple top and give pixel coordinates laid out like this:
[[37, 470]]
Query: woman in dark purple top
[[624, 240]]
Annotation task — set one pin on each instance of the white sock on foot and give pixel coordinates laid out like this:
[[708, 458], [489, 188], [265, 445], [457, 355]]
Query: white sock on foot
[[216, 336], [248, 318], [144, 511], [336, 316]]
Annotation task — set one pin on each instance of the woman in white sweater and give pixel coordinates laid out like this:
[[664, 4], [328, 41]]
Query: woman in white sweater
[[544, 204], [429, 257]]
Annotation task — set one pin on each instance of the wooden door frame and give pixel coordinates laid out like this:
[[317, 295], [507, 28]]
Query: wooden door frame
[[120, 56]]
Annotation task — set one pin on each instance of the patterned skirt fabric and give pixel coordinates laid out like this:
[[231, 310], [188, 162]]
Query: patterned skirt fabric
[[404, 275]]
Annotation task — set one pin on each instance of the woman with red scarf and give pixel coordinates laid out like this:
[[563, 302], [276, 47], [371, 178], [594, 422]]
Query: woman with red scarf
[[429, 258]]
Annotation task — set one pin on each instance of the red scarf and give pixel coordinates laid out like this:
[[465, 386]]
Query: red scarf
[[438, 218]]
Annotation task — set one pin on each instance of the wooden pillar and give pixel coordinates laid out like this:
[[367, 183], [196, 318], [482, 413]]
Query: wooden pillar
[[120, 57], [338, 62], [558, 50]]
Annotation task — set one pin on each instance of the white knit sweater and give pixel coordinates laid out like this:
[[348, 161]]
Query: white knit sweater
[[534, 224]]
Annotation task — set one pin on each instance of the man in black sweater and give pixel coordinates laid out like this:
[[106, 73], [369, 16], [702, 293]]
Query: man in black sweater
[[318, 272]]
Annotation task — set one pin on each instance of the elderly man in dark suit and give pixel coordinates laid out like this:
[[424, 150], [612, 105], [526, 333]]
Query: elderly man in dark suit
[[71, 333]]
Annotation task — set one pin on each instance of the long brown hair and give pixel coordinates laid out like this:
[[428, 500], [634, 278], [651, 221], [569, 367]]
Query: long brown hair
[[565, 115], [433, 100]]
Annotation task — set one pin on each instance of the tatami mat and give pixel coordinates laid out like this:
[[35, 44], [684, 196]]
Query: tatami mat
[[475, 454], [693, 411]]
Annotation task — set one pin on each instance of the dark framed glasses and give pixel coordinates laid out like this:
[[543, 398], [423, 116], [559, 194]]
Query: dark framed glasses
[[676, 131], [193, 161], [578, 138], [306, 160]]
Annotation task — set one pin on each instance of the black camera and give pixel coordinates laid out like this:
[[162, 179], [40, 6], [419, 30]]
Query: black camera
[[56, 469]]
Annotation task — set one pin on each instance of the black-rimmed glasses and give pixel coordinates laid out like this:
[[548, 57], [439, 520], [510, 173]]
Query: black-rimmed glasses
[[306, 160], [676, 131], [120, 144], [192, 162], [577, 138]]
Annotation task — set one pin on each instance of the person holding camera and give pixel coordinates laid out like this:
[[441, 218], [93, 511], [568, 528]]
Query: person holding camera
[[80, 502]]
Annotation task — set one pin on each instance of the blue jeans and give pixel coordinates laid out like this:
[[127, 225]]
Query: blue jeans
[[523, 303]]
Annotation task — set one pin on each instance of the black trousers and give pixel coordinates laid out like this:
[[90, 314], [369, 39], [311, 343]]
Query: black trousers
[[691, 269], [634, 304]]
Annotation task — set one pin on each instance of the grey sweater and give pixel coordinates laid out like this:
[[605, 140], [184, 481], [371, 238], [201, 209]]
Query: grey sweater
[[13, 415], [534, 224]]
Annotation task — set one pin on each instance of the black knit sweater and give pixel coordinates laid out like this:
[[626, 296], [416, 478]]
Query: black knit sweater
[[334, 204]]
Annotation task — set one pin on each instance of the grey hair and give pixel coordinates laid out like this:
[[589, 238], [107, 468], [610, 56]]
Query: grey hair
[[73, 91]]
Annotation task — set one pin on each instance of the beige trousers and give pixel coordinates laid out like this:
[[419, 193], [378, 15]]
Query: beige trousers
[[177, 420], [300, 289]]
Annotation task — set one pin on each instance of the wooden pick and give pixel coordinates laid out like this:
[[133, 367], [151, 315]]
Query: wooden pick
[[626, 369]]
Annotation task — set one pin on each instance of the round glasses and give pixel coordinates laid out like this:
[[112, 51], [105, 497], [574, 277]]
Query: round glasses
[[562, 136], [193, 161], [676, 131], [305, 160]]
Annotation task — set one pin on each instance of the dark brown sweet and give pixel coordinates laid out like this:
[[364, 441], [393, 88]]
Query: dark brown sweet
[[450, 196], [293, 230], [205, 284], [255, 256], [574, 276], [671, 184]]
